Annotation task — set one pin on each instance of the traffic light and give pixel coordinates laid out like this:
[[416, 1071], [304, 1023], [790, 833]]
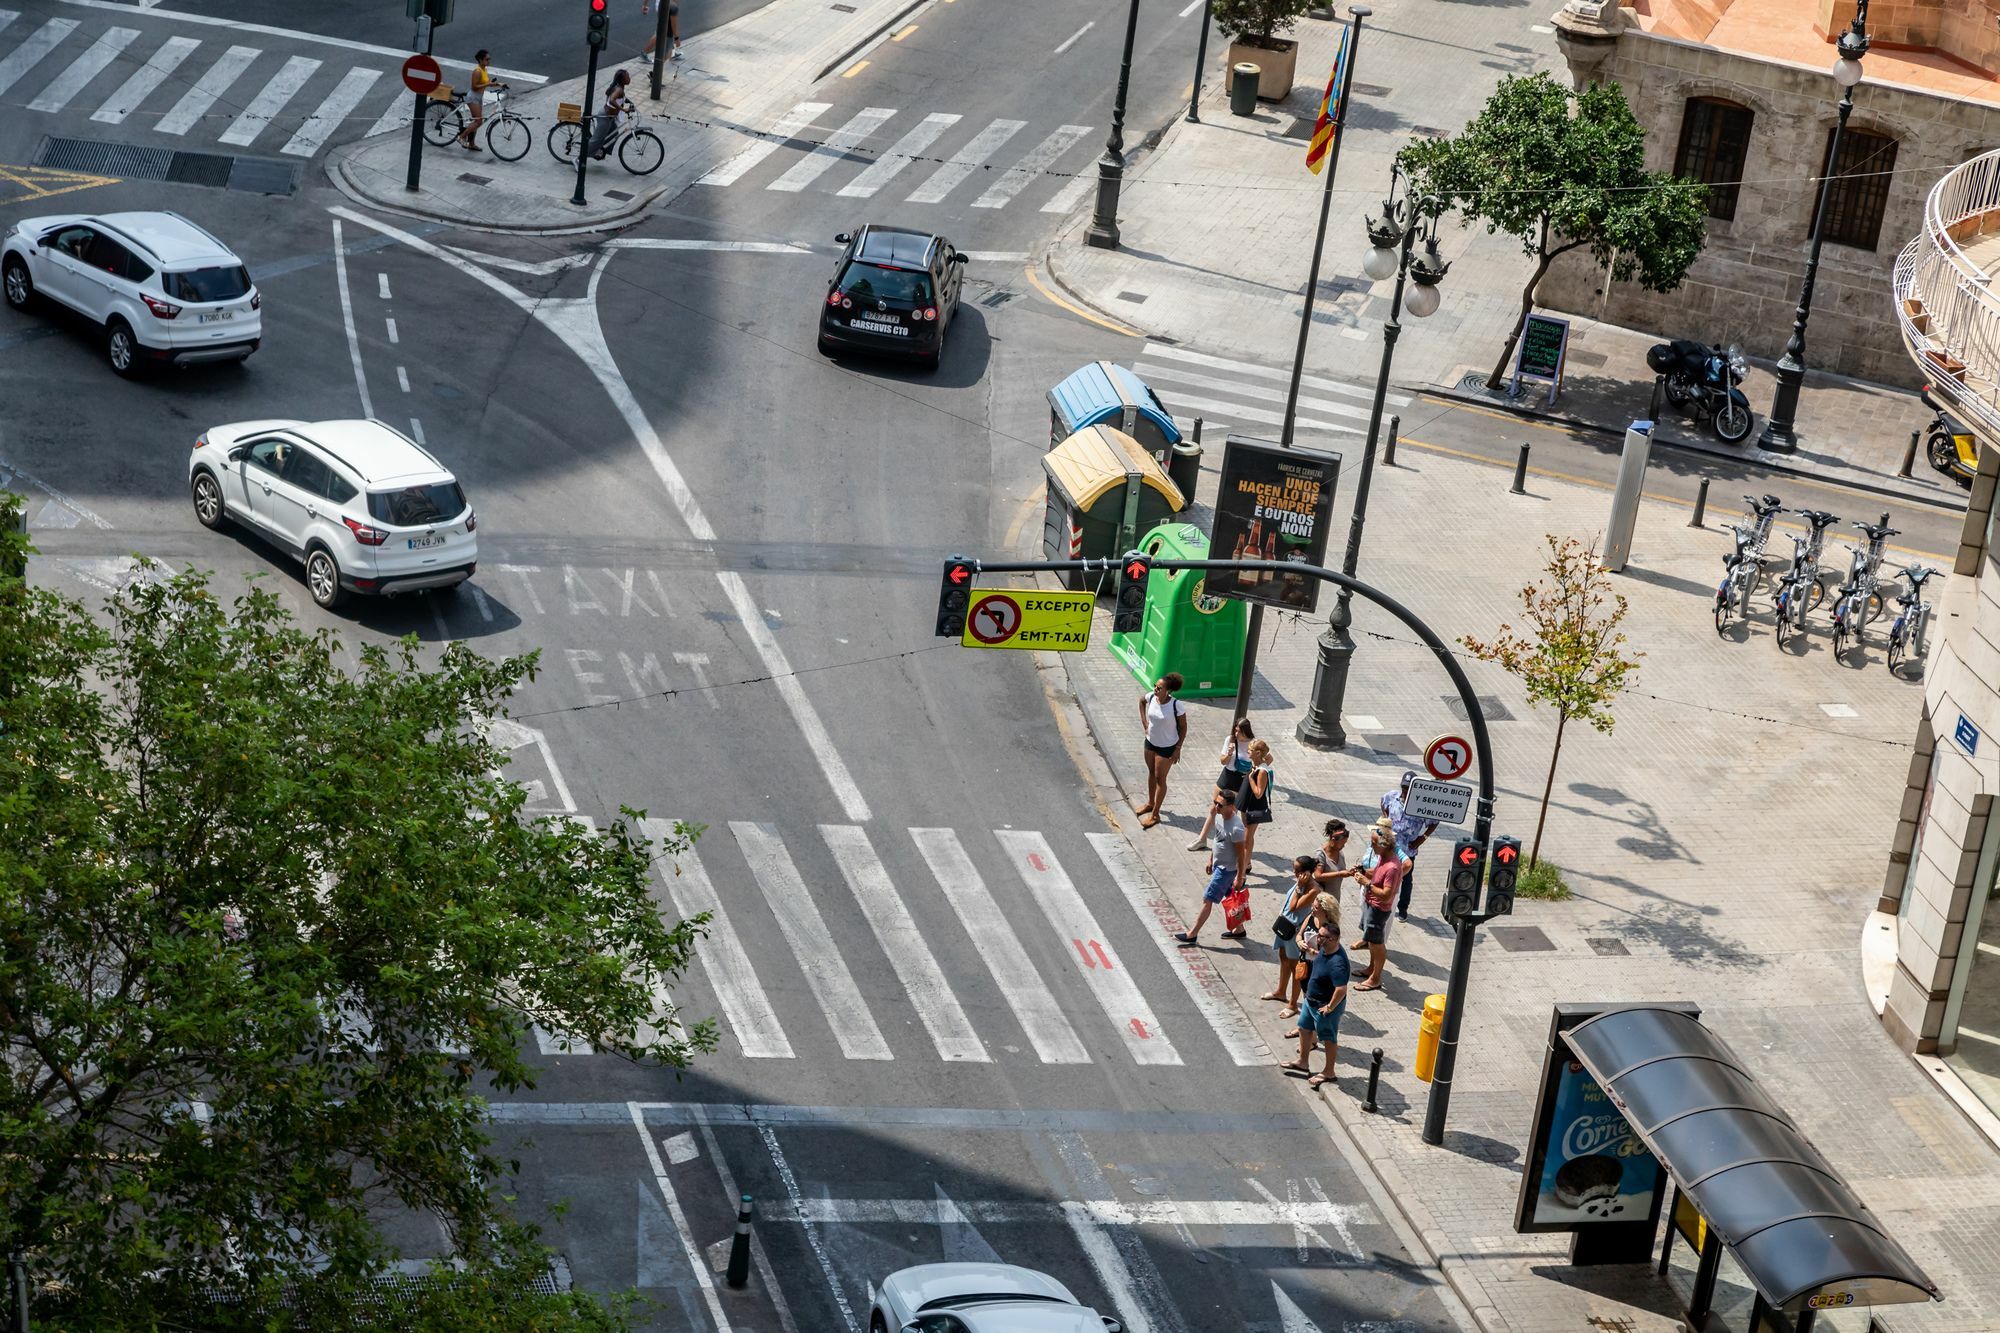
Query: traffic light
[[1129, 615], [954, 595], [1506, 868], [1468, 868], [600, 22]]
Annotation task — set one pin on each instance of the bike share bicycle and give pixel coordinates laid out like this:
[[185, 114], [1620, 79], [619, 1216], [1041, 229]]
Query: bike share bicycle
[[1800, 590], [639, 149], [1859, 601], [507, 134], [1742, 567], [1906, 635]]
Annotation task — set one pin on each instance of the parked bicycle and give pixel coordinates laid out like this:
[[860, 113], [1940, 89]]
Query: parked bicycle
[[1742, 567], [1906, 635], [1860, 602], [1800, 591], [639, 149], [507, 132]]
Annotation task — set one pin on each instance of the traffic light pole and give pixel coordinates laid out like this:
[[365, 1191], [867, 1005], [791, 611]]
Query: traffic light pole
[[410, 181], [589, 127]]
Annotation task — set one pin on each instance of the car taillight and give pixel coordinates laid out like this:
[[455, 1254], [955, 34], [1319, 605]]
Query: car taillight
[[833, 297], [256, 300], [364, 534], [161, 309], [930, 312], [471, 519]]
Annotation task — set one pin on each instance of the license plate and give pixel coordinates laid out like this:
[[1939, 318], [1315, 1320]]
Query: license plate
[[874, 326], [426, 541], [215, 316]]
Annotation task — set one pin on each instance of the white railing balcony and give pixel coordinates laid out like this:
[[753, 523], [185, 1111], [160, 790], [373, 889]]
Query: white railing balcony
[[1946, 301]]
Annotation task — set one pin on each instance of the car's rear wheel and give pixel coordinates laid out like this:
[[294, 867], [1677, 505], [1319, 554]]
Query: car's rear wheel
[[323, 579], [875, 1324], [208, 506], [121, 348], [19, 286]]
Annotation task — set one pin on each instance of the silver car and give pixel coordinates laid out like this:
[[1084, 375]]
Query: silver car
[[980, 1298]]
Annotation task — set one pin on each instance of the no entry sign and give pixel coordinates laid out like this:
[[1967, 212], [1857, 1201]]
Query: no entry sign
[[1448, 757], [421, 74], [1021, 618]]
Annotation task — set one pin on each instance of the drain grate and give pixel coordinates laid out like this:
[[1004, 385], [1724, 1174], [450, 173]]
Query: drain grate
[[96, 157], [622, 196], [1489, 704], [1522, 939]]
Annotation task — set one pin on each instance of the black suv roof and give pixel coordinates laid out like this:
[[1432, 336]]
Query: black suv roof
[[894, 245]]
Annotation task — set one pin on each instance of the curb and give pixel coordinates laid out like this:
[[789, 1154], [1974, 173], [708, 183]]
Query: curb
[[870, 39], [336, 172]]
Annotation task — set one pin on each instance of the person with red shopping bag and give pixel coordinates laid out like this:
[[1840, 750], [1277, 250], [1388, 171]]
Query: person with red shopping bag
[[1225, 867]]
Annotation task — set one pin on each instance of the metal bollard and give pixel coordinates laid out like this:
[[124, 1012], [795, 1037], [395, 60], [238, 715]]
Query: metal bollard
[[1700, 504], [739, 1248], [1653, 411], [1520, 486], [1389, 450], [1197, 430], [1374, 1077], [1909, 457]]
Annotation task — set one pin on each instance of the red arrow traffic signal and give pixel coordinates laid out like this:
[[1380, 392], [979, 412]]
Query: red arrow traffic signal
[[1468, 855], [958, 573], [1138, 569], [1505, 854]]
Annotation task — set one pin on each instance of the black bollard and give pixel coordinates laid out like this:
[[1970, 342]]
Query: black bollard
[[1653, 411], [1389, 450], [1909, 457], [1700, 504], [1520, 486], [739, 1248], [1374, 1077]]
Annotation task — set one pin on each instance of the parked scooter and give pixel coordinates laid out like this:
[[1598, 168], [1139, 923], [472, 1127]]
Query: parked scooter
[[1952, 449], [1702, 380]]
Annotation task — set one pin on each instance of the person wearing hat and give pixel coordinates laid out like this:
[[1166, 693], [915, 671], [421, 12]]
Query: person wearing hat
[[1410, 834], [1381, 874]]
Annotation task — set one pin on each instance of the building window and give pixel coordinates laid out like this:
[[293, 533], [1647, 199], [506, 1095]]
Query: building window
[[1715, 140], [1860, 192]]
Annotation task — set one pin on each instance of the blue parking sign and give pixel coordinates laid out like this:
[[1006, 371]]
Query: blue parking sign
[[1966, 734]]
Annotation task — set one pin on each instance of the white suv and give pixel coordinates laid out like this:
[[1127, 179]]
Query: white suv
[[363, 506], [159, 288]]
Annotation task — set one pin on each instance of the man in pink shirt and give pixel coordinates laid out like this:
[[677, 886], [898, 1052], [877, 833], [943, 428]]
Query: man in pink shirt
[[1382, 874]]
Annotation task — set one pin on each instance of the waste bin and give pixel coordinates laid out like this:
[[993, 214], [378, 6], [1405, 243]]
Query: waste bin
[[1185, 467], [1428, 1028], [1185, 629], [1243, 80], [1103, 393], [1104, 490]]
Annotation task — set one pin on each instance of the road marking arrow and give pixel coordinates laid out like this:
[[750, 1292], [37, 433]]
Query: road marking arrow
[[1291, 1319]]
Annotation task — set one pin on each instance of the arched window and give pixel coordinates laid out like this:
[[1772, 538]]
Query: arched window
[[1715, 140], [1860, 192]]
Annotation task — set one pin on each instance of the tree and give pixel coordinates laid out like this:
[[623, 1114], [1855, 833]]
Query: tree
[[1563, 171], [1572, 658], [1257, 22], [268, 933]]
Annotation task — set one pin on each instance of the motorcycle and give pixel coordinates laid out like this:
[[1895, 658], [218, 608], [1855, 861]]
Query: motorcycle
[[1702, 380], [1952, 449]]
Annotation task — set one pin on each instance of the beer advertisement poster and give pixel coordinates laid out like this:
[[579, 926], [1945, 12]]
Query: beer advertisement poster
[[1274, 504]]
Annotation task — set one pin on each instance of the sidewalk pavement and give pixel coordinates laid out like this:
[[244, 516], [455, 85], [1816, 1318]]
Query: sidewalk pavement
[[1217, 233], [733, 82]]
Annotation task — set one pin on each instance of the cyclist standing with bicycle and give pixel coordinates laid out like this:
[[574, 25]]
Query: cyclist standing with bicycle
[[482, 81], [617, 104]]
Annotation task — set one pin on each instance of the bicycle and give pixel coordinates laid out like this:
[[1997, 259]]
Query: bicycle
[[1801, 591], [1743, 566], [1859, 601], [1906, 635], [507, 132], [640, 151]]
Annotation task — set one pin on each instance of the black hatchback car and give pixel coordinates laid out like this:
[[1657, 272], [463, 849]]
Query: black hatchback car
[[894, 291]]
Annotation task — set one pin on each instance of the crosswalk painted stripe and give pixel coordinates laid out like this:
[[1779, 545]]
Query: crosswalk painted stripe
[[805, 930], [1034, 1006], [1044, 156], [1253, 1213], [396, 115], [837, 145], [1150, 371], [1197, 974], [144, 79], [1071, 919], [903, 944], [901, 153], [663, 1000], [30, 52], [1217, 409], [560, 1043], [110, 44], [8, 16], [795, 120], [965, 161], [722, 956], [1163, 351], [213, 83], [270, 100], [331, 113], [1069, 196]]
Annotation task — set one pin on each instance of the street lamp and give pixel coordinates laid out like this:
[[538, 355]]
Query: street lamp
[[1779, 433], [1392, 238], [1103, 231]]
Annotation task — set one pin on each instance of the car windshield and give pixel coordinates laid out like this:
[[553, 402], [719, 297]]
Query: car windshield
[[223, 283], [984, 1297], [872, 282], [415, 506]]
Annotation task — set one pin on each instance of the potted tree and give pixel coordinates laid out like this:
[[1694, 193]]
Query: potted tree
[[1253, 27]]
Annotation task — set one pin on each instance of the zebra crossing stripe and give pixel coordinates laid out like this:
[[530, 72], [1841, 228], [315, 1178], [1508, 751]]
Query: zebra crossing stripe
[[395, 116], [1054, 1040], [965, 161], [838, 144], [1240, 389], [901, 153], [722, 956], [560, 1043], [798, 118], [270, 100], [1034, 164], [1161, 351], [804, 929], [144, 79], [1071, 918], [1217, 408], [329, 115], [903, 944], [30, 52], [8, 16], [1071, 195], [110, 44], [213, 83]]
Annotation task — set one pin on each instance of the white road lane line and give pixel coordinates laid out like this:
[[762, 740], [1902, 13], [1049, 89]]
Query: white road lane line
[[1109, 1266], [30, 52], [900, 154], [720, 247], [688, 1247], [1215, 407], [331, 113], [270, 100], [837, 145], [1259, 1212], [1034, 1005], [402, 379], [213, 83], [722, 954], [391, 326], [1150, 371], [965, 161], [110, 44], [795, 120], [1191, 7], [1071, 918], [347, 319], [1070, 195], [1197, 974], [1016, 178], [903, 944], [382, 286], [804, 929], [1071, 40], [813, 1241], [1161, 351], [144, 79], [417, 434]]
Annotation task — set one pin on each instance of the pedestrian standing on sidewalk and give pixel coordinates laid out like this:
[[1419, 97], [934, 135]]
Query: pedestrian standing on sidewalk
[[1327, 972], [1225, 864], [1163, 719], [1235, 761], [1255, 799], [1285, 932], [1382, 873], [1410, 835]]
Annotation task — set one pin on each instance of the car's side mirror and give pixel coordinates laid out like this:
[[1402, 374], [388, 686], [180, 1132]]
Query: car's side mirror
[[843, 238], [957, 257], [239, 453], [47, 242], [1111, 1325]]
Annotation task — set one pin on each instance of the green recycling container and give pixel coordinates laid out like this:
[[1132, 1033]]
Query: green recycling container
[[1186, 630]]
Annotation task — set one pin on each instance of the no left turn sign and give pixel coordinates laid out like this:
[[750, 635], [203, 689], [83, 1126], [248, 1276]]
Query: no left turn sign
[[1448, 757], [993, 619]]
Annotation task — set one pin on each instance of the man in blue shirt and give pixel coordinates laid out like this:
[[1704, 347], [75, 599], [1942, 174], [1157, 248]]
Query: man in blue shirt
[[1410, 835], [1325, 1000]]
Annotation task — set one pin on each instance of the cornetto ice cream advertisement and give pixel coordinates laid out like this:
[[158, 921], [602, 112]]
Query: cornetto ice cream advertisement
[[1594, 1168]]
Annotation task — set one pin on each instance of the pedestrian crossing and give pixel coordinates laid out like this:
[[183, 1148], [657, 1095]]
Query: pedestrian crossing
[[1225, 392]]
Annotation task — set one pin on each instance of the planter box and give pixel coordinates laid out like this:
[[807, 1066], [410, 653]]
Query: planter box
[[1279, 62]]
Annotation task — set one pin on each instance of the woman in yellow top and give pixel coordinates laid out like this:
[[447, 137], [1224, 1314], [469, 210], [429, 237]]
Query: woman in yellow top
[[482, 82]]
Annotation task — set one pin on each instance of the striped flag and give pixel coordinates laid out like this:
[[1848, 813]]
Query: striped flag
[[1326, 127]]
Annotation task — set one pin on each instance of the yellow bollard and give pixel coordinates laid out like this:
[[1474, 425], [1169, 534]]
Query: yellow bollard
[[1428, 1028]]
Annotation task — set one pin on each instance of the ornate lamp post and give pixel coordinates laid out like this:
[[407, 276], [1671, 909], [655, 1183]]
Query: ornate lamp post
[[1103, 231]]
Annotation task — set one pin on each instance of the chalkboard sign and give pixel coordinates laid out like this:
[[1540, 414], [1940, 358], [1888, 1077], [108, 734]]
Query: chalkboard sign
[[1539, 356]]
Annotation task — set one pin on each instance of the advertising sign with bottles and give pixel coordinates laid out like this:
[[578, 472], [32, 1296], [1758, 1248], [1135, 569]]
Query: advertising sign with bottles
[[1274, 503]]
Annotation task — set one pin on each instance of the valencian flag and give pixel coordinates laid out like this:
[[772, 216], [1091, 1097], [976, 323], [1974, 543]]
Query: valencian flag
[[1325, 128]]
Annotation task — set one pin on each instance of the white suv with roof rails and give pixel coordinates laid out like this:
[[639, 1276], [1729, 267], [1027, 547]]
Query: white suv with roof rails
[[158, 288], [363, 506]]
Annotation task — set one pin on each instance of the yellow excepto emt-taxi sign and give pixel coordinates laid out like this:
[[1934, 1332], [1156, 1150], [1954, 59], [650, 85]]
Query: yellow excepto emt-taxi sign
[[1057, 622]]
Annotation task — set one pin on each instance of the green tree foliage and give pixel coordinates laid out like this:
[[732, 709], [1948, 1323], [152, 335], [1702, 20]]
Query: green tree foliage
[[246, 897], [1564, 171], [1257, 21]]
